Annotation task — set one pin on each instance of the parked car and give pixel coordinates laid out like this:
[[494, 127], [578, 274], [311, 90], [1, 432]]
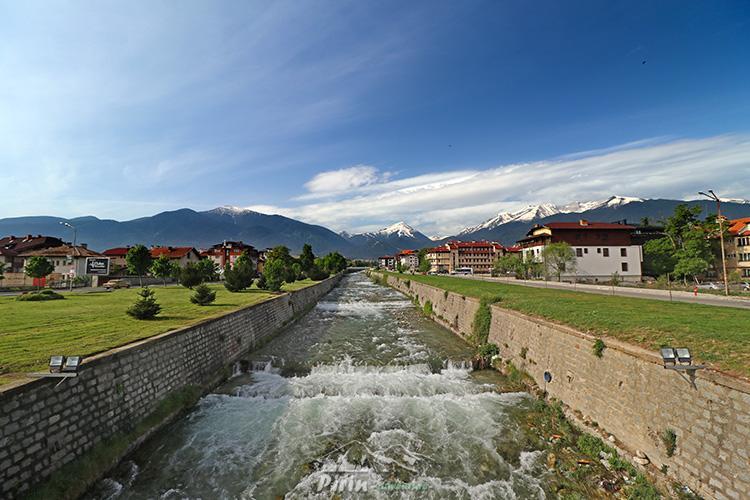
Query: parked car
[[745, 286], [114, 284], [463, 270], [709, 286]]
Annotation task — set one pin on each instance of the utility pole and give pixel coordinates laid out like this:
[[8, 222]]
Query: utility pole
[[72, 257], [712, 196]]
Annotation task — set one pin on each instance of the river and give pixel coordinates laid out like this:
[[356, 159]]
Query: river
[[363, 397]]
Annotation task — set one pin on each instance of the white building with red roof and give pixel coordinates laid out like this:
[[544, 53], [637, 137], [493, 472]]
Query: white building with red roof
[[737, 247], [479, 256]]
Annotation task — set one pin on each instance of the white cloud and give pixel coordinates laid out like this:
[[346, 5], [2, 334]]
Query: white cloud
[[445, 202], [342, 180]]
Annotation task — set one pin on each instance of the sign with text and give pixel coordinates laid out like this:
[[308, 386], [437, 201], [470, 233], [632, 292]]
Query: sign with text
[[97, 265]]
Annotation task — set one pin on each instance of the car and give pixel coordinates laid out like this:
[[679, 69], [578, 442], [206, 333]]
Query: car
[[114, 284], [745, 286]]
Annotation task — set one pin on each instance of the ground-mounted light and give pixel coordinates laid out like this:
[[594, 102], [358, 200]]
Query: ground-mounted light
[[56, 364], [72, 363]]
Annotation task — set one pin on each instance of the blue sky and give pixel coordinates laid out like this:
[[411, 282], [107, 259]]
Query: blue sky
[[357, 114]]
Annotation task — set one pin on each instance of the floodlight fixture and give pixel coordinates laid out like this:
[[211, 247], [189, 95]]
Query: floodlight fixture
[[668, 356], [72, 363], [56, 364], [683, 356]]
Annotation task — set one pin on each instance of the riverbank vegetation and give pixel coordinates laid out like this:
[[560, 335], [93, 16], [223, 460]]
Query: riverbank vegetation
[[715, 335], [89, 323]]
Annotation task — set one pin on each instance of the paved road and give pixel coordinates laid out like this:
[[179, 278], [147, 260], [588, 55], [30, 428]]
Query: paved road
[[677, 296]]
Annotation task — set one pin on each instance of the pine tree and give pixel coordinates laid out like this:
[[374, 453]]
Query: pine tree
[[146, 306], [203, 295]]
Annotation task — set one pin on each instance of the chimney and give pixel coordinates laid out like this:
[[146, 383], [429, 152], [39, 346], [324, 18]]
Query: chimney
[[83, 245], [583, 222]]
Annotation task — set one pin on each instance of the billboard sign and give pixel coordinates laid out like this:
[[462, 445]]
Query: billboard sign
[[98, 266]]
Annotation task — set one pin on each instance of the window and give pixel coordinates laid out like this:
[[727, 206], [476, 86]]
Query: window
[[623, 252], [585, 250], [598, 250], [579, 252], [606, 252], [624, 267]]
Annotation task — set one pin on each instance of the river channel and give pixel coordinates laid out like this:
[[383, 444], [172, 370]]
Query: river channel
[[363, 397]]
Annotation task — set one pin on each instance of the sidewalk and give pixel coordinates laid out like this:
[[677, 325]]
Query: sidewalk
[[676, 296]]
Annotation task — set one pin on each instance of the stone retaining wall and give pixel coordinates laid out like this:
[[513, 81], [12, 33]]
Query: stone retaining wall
[[43, 425], [627, 392]]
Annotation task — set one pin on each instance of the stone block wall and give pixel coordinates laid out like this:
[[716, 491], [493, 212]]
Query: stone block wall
[[627, 392], [43, 425]]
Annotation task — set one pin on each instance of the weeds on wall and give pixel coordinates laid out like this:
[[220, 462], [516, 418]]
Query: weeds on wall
[[427, 309], [480, 330], [669, 439], [598, 348]]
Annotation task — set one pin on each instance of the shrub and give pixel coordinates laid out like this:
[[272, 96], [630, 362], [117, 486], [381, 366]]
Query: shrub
[[598, 348], [480, 329], [669, 438], [146, 306], [203, 295], [262, 284], [38, 296], [317, 274], [488, 350], [427, 309]]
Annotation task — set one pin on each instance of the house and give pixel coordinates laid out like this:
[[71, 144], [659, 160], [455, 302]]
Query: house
[[387, 262], [737, 247], [11, 247], [117, 258], [601, 248], [182, 256], [227, 252], [409, 260], [68, 261], [479, 256]]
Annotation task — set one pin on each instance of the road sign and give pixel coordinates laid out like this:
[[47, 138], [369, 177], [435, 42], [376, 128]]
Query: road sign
[[97, 266]]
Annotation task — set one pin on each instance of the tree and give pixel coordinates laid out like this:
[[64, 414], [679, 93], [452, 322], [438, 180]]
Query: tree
[[559, 258], [334, 263], [306, 259], [273, 272], [509, 264], [424, 264], [190, 275], [138, 260], [317, 274], [203, 295], [162, 268], [240, 276], [145, 306], [208, 269], [2, 272], [399, 267], [262, 282], [38, 267]]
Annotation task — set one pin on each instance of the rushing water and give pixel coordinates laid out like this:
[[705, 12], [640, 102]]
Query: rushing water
[[383, 406]]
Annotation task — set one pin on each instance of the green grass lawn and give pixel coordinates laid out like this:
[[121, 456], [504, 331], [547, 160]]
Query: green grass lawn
[[88, 323], [716, 335]]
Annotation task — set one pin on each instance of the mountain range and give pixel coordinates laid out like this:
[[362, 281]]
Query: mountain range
[[202, 229]]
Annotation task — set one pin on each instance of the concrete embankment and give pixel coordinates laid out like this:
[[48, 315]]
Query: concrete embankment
[[121, 395], [694, 428]]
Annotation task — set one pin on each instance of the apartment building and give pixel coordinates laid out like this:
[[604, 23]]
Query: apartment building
[[601, 248], [737, 247], [409, 259], [227, 252], [479, 256], [387, 262]]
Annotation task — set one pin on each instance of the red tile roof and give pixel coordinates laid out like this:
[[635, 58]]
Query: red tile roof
[[116, 252], [736, 225], [62, 251], [587, 225], [171, 252]]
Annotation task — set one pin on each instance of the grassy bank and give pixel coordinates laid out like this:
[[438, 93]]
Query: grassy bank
[[88, 323], [716, 335]]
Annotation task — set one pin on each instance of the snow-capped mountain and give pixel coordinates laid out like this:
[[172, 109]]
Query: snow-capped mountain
[[534, 212], [389, 240]]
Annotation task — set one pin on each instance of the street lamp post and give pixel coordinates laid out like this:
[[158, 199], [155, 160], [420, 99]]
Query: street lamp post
[[73, 258], [712, 196]]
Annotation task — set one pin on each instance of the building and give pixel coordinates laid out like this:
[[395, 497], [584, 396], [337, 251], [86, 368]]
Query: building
[[68, 261], [409, 260], [227, 252], [737, 247], [117, 261], [12, 247], [387, 262], [601, 248], [479, 256], [182, 256]]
